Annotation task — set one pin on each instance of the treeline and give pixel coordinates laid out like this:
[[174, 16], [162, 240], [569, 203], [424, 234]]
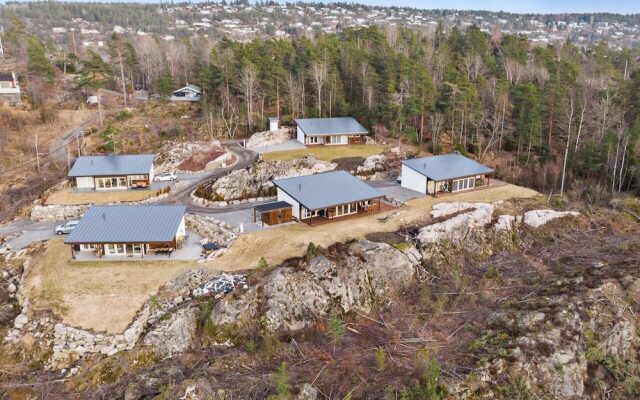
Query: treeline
[[551, 117]]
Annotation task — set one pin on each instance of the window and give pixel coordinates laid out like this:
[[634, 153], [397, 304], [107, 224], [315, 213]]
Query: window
[[308, 213], [87, 247], [462, 184], [340, 139]]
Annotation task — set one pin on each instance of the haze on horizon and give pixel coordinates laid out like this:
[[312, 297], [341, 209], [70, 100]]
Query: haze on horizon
[[513, 6]]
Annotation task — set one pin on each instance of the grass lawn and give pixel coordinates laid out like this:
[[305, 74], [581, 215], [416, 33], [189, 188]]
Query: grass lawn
[[70, 197], [99, 295], [327, 153]]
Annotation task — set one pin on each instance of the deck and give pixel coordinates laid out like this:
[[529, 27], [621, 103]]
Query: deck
[[315, 221], [493, 183]]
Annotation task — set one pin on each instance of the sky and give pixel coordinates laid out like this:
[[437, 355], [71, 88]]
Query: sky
[[521, 6]]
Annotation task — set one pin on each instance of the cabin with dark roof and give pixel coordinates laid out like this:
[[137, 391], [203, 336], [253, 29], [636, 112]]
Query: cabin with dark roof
[[187, 93]]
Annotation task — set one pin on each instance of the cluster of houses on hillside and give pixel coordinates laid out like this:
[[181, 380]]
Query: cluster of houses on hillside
[[137, 230], [244, 22]]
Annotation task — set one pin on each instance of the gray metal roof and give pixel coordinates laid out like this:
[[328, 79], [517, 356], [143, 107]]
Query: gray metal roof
[[331, 126], [193, 88], [447, 166], [276, 205], [327, 189], [128, 224], [112, 165]]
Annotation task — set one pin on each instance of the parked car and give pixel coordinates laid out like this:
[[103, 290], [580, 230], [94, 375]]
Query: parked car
[[67, 227], [167, 176]]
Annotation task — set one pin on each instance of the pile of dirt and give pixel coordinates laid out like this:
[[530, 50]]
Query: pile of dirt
[[198, 161]]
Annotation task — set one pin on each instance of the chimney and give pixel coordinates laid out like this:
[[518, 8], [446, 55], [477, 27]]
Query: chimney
[[300, 187], [104, 216]]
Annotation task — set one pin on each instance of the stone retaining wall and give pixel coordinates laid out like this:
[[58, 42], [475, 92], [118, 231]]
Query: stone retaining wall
[[55, 212], [209, 203]]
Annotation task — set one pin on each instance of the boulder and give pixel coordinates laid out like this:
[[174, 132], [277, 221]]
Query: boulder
[[537, 218], [455, 229]]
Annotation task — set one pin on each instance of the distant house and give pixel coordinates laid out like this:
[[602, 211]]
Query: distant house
[[330, 131], [187, 93], [445, 173], [10, 90], [112, 172], [128, 231], [327, 195]]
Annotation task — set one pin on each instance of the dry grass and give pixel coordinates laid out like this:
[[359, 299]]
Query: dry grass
[[279, 243], [327, 153], [105, 296], [98, 295], [70, 197]]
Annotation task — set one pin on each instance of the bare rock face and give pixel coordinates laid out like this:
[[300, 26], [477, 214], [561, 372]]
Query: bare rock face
[[257, 181], [373, 163], [174, 335], [291, 299], [269, 138], [551, 347], [537, 218], [457, 228]]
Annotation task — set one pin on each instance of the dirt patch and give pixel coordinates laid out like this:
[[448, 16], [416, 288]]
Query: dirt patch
[[348, 163], [385, 237], [198, 161]]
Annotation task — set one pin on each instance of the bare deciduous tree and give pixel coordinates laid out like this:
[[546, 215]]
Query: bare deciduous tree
[[248, 85], [319, 73], [150, 58]]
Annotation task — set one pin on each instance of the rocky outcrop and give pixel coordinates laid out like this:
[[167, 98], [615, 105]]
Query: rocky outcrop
[[268, 138], [257, 181], [560, 346], [175, 334], [171, 155], [211, 229], [291, 299], [457, 228], [373, 163], [537, 218]]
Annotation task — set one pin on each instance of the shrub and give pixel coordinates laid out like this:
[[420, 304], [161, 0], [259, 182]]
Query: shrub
[[313, 251], [282, 381], [381, 359], [262, 263], [337, 329]]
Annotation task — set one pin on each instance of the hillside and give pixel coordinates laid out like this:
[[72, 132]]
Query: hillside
[[518, 312]]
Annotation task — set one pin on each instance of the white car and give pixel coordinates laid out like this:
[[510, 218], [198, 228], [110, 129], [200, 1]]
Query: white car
[[67, 227], [167, 176]]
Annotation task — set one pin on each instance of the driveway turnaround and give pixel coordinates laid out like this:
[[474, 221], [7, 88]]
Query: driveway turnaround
[[28, 232]]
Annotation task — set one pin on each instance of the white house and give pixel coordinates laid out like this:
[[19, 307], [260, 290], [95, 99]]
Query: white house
[[112, 172], [445, 173], [327, 195], [128, 231], [330, 131]]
